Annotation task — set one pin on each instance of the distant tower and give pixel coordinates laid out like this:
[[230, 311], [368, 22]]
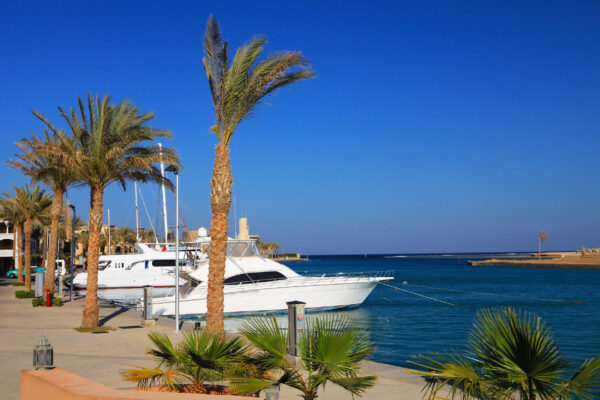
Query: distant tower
[[244, 231]]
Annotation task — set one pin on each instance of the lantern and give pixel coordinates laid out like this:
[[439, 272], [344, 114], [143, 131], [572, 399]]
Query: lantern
[[43, 354], [271, 392]]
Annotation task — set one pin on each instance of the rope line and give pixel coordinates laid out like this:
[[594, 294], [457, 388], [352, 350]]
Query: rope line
[[417, 294], [498, 294], [480, 293]]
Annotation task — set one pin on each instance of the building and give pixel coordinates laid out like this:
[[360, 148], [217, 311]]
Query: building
[[7, 245]]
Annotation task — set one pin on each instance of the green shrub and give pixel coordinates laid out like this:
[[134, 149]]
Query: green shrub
[[18, 283], [56, 302], [36, 259], [25, 294], [37, 301]]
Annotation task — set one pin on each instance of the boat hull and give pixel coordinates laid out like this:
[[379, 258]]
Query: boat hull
[[129, 295], [318, 294]]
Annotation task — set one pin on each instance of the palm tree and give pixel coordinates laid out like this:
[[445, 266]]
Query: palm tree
[[541, 237], [47, 167], [108, 145], [123, 237], [237, 88], [10, 212], [34, 204], [200, 357], [509, 353], [330, 349]]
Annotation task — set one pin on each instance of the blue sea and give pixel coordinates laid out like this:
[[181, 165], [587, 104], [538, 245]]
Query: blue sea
[[403, 325]]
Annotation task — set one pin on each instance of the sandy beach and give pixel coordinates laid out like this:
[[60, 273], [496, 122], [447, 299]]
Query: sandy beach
[[100, 356]]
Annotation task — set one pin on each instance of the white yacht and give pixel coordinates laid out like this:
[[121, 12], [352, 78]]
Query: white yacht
[[254, 284], [121, 277]]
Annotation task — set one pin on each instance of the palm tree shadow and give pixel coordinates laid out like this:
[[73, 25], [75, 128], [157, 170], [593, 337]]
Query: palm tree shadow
[[116, 313]]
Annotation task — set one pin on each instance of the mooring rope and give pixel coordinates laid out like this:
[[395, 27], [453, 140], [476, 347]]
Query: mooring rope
[[483, 293], [416, 294]]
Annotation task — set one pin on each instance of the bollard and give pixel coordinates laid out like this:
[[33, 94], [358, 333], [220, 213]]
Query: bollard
[[295, 324], [39, 284], [48, 298], [148, 320]]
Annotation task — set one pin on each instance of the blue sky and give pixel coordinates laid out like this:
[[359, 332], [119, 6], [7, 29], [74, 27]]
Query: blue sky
[[431, 126]]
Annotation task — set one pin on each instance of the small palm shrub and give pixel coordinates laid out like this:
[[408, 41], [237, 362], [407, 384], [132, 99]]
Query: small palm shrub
[[200, 359], [56, 302], [509, 355], [18, 284], [25, 294], [37, 302], [329, 349]]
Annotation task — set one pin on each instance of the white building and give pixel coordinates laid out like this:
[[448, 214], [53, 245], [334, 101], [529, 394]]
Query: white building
[[7, 245]]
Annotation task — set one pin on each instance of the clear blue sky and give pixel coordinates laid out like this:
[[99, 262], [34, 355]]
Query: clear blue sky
[[431, 127]]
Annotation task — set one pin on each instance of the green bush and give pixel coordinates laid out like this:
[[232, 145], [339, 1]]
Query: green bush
[[56, 302], [18, 283], [25, 294], [37, 302], [36, 259]]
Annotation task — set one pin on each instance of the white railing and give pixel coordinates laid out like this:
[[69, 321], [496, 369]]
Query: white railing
[[337, 278]]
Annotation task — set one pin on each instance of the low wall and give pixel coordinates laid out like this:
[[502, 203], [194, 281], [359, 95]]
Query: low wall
[[58, 384]]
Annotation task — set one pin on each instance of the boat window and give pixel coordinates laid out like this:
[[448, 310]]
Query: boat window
[[254, 277], [163, 263], [102, 265], [167, 263], [243, 248]]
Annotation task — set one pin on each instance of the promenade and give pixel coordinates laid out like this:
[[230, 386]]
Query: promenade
[[100, 356]]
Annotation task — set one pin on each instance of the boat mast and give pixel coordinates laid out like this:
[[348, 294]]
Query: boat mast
[[137, 218], [164, 196], [109, 246]]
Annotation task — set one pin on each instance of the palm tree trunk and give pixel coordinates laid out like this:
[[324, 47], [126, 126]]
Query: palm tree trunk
[[90, 311], [220, 200], [539, 249], [19, 264], [28, 229], [57, 204]]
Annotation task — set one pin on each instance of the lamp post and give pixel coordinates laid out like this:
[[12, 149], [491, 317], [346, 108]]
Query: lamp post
[[176, 251], [72, 254]]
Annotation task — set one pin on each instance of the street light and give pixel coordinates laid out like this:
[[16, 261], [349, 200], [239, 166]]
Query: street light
[[176, 250], [72, 254], [176, 172]]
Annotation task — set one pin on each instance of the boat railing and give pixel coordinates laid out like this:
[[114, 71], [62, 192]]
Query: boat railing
[[333, 278]]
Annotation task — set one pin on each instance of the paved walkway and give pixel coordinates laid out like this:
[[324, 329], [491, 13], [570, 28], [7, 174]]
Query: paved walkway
[[100, 356]]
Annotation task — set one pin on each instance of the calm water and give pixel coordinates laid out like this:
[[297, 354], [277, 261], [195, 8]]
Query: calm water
[[403, 325]]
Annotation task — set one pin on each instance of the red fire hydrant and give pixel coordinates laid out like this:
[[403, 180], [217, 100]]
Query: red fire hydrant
[[47, 297]]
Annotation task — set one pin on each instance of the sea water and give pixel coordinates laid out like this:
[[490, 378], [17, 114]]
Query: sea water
[[402, 325]]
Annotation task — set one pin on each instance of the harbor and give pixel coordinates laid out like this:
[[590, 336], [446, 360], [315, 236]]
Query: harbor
[[100, 356]]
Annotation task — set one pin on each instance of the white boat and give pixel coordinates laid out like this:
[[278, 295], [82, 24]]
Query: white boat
[[122, 277], [254, 284]]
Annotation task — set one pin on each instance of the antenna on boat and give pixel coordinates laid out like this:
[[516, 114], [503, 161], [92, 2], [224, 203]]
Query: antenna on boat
[[109, 246], [235, 218], [137, 218], [164, 196]]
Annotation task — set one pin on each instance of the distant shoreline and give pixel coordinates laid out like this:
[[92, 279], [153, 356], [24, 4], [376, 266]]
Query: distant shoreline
[[566, 261]]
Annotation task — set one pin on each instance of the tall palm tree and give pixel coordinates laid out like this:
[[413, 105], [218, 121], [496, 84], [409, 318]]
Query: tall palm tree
[[47, 167], [10, 212], [509, 354], [109, 145], [237, 88], [541, 237], [34, 204]]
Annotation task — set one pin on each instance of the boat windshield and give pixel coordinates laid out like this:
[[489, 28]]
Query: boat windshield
[[103, 264], [243, 248]]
